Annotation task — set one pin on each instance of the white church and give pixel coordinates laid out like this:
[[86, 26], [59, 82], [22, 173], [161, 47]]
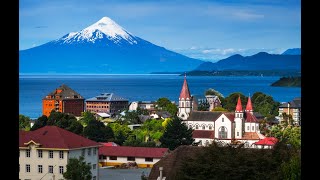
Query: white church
[[240, 126]]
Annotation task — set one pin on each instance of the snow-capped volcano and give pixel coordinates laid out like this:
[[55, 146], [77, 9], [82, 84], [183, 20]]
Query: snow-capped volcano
[[104, 28], [103, 47]]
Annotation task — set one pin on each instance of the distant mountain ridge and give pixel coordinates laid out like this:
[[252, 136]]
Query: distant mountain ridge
[[104, 47], [259, 61], [292, 51]]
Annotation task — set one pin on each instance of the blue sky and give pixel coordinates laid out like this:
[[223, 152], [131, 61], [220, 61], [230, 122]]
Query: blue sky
[[209, 30]]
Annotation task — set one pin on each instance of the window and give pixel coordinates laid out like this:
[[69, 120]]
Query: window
[[113, 158], [28, 153], [149, 159], [83, 152], [197, 127], [89, 152], [210, 127], [248, 128], [237, 133], [237, 115], [203, 127], [61, 154], [182, 104], [94, 166], [131, 158], [50, 169], [94, 151], [222, 132], [61, 169], [222, 119], [27, 167], [50, 154], [252, 128], [190, 126], [39, 153], [39, 168], [90, 165]]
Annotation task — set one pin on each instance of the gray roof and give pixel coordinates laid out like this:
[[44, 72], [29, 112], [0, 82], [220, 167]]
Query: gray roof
[[66, 93], [295, 103], [107, 97], [203, 116]]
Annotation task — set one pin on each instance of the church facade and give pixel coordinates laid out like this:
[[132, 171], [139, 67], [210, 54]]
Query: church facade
[[240, 126]]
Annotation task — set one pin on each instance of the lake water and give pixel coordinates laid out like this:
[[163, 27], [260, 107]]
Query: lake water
[[123, 174], [32, 88]]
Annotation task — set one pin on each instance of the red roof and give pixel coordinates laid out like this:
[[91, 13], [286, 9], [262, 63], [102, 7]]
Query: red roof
[[251, 118], [203, 134], [269, 141], [55, 137], [230, 116], [250, 136], [128, 151], [249, 105], [239, 106], [109, 144], [185, 93]]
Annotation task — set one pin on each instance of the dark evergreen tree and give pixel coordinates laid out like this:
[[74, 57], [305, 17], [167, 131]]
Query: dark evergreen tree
[[40, 122], [98, 132], [176, 134]]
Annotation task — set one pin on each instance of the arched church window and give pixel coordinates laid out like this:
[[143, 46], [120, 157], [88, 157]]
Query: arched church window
[[203, 127], [222, 132], [237, 115], [222, 119], [197, 127], [182, 104], [190, 126], [210, 127], [252, 128], [187, 104]]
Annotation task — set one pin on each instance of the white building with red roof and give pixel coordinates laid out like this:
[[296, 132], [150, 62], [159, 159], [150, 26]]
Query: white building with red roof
[[227, 127], [266, 143], [143, 156], [44, 153]]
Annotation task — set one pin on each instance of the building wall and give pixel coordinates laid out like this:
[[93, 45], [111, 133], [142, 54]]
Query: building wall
[[117, 106], [223, 121], [73, 106], [92, 158], [47, 106], [201, 124], [45, 161], [141, 161], [98, 106], [253, 127]]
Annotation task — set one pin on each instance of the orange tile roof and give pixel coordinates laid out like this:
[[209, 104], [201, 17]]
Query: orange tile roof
[[250, 136]]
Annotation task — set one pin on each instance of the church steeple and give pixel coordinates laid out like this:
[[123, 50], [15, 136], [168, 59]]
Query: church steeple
[[185, 101], [239, 105], [185, 93], [249, 106]]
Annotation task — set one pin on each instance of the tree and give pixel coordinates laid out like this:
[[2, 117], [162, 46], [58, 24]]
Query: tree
[[166, 105], [98, 132], [176, 134], [265, 105], [86, 117], [40, 122], [24, 122], [219, 109], [230, 102], [211, 91], [77, 169], [121, 132]]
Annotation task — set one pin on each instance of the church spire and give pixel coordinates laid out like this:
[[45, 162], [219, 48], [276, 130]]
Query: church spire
[[239, 106], [249, 106], [185, 93]]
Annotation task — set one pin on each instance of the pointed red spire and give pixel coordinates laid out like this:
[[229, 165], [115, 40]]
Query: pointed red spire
[[249, 105], [239, 106], [185, 93]]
